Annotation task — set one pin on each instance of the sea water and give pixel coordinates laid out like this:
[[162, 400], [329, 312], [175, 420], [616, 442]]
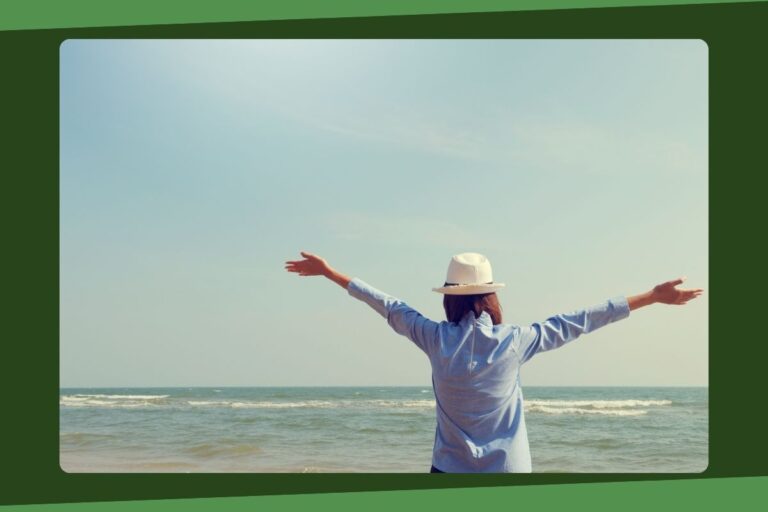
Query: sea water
[[367, 429]]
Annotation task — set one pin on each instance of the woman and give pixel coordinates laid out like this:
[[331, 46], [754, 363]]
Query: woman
[[476, 358]]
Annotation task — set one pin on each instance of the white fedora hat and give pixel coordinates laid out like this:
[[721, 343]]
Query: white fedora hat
[[469, 273]]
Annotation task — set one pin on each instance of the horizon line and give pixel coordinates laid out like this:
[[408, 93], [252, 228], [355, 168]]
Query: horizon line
[[381, 386]]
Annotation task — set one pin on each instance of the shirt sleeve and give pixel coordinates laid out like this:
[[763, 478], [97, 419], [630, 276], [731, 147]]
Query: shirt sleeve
[[558, 330], [401, 317]]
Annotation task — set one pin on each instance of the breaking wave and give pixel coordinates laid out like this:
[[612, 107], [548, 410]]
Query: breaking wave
[[630, 407]]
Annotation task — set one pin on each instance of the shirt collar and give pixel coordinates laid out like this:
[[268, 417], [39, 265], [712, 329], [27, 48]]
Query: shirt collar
[[484, 318]]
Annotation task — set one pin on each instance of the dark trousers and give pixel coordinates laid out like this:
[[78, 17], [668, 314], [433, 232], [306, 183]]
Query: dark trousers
[[435, 470]]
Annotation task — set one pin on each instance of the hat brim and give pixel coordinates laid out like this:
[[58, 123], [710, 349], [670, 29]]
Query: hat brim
[[469, 289]]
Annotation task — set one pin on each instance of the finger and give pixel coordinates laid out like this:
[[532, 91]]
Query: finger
[[685, 300], [675, 282], [307, 254]]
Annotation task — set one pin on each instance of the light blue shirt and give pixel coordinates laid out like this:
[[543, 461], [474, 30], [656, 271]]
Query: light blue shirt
[[476, 376]]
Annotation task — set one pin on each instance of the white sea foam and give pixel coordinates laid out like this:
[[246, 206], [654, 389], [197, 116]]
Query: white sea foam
[[630, 407], [111, 401], [261, 404], [115, 397], [284, 405], [598, 404], [108, 404], [397, 404], [315, 404], [579, 410]]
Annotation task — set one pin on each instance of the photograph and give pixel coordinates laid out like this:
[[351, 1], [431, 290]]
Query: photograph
[[383, 256]]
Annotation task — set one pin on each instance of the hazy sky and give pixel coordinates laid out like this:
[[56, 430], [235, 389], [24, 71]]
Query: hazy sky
[[191, 170]]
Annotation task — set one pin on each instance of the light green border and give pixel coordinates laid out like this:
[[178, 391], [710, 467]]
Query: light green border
[[740, 494], [41, 14]]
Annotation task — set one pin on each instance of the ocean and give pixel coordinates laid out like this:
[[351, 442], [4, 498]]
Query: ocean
[[368, 429]]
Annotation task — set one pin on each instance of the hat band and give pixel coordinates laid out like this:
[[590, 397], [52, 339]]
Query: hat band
[[468, 284]]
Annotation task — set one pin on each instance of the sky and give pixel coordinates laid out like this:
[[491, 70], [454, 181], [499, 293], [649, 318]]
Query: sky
[[190, 171]]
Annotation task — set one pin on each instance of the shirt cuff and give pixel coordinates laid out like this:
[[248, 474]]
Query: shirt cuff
[[619, 308], [361, 290], [358, 288]]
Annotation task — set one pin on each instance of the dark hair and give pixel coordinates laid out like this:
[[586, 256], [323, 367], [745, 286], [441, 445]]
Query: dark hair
[[456, 306]]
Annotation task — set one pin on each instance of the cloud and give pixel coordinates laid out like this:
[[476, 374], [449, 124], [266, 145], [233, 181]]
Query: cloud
[[559, 145], [414, 132], [399, 230], [333, 103], [593, 148]]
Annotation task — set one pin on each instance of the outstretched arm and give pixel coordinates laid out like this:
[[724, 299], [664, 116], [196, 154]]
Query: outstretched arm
[[401, 317], [314, 265], [560, 329]]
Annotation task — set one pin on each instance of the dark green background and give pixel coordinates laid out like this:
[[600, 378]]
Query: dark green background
[[737, 39]]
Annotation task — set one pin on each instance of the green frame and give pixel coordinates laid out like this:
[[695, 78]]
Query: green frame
[[735, 35]]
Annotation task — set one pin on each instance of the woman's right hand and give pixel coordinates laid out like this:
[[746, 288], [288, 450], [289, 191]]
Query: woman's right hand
[[314, 265], [311, 265]]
